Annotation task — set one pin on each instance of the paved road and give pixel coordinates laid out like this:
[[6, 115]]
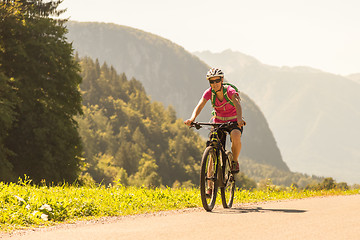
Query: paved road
[[314, 218]]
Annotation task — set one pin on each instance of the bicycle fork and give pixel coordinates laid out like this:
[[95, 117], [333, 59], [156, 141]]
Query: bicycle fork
[[222, 171], [213, 172], [224, 175], [212, 168]]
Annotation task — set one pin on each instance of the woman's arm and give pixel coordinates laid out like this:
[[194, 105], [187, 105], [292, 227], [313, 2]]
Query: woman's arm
[[236, 100], [196, 111]]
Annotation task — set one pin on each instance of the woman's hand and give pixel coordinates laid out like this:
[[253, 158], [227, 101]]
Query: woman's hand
[[241, 123], [188, 122]]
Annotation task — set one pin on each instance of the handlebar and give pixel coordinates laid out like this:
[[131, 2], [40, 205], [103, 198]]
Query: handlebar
[[199, 125]]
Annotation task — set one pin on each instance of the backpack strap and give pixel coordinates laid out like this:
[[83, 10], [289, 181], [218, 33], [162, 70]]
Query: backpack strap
[[226, 95], [228, 100], [213, 98]]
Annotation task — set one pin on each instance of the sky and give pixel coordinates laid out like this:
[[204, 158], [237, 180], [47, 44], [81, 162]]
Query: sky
[[322, 34]]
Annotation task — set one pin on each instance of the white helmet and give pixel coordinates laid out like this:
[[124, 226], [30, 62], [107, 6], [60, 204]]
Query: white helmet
[[214, 72]]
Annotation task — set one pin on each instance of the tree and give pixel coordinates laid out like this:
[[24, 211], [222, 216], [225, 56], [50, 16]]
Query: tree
[[7, 99], [147, 173], [328, 183], [35, 53], [244, 182]]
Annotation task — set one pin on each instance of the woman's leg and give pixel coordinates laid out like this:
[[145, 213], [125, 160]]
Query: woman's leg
[[235, 143]]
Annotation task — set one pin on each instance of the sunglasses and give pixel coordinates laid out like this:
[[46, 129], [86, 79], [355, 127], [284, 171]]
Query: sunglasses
[[215, 81]]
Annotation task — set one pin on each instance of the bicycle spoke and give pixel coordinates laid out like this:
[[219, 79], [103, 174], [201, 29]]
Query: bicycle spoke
[[227, 192], [208, 185]]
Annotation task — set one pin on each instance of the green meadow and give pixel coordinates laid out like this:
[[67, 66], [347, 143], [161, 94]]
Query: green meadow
[[25, 205]]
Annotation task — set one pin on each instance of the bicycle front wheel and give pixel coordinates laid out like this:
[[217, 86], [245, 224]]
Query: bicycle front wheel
[[228, 190], [208, 184]]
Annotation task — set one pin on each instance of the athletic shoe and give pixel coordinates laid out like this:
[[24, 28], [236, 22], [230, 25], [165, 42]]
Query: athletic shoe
[[235, 167], [208, 193]]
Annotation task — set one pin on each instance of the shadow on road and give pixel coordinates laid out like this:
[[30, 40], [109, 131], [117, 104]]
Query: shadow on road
[[257, 209]]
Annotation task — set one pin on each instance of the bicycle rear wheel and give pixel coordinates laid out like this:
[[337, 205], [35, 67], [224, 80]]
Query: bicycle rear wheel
[[228, 190], [208, 178]]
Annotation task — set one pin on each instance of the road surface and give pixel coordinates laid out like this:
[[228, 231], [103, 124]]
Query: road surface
[[313, 218]]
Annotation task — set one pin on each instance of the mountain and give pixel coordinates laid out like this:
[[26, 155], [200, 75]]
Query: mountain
[[355, 77], [170, 75], [314, 115]]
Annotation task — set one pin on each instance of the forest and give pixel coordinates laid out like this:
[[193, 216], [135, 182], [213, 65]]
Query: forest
[[129, 138], [55, 129]]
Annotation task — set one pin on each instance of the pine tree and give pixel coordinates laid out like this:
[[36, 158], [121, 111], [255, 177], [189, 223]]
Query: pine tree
[[36, 54], [7, 101]]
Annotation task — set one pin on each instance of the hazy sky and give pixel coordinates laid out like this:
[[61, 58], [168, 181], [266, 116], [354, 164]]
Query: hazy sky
[[324, 34]]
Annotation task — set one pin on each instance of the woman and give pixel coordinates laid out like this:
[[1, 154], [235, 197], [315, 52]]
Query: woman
[[226, 103]]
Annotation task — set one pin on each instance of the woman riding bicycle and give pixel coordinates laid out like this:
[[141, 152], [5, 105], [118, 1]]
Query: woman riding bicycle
[[227, 108]]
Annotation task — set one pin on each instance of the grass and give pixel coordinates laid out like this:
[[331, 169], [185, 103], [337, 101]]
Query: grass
[[25, 205]]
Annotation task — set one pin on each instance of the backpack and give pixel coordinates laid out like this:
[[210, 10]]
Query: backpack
[[228, 100]]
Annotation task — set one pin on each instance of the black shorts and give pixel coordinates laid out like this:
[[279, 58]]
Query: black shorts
[[234, 126], [228, 129]]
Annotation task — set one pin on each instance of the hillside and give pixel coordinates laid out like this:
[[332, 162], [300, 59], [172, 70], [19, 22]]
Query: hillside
[[314, 115], [170, 75], [130, 139], [355, 77]]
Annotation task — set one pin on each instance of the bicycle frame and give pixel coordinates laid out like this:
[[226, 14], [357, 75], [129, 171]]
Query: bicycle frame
[[220, 148]]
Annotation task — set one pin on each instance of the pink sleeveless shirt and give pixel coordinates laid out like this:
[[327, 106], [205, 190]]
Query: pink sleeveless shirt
[[227, 110]]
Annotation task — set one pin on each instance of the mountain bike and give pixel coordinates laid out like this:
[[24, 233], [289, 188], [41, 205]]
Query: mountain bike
[[216, 167]]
